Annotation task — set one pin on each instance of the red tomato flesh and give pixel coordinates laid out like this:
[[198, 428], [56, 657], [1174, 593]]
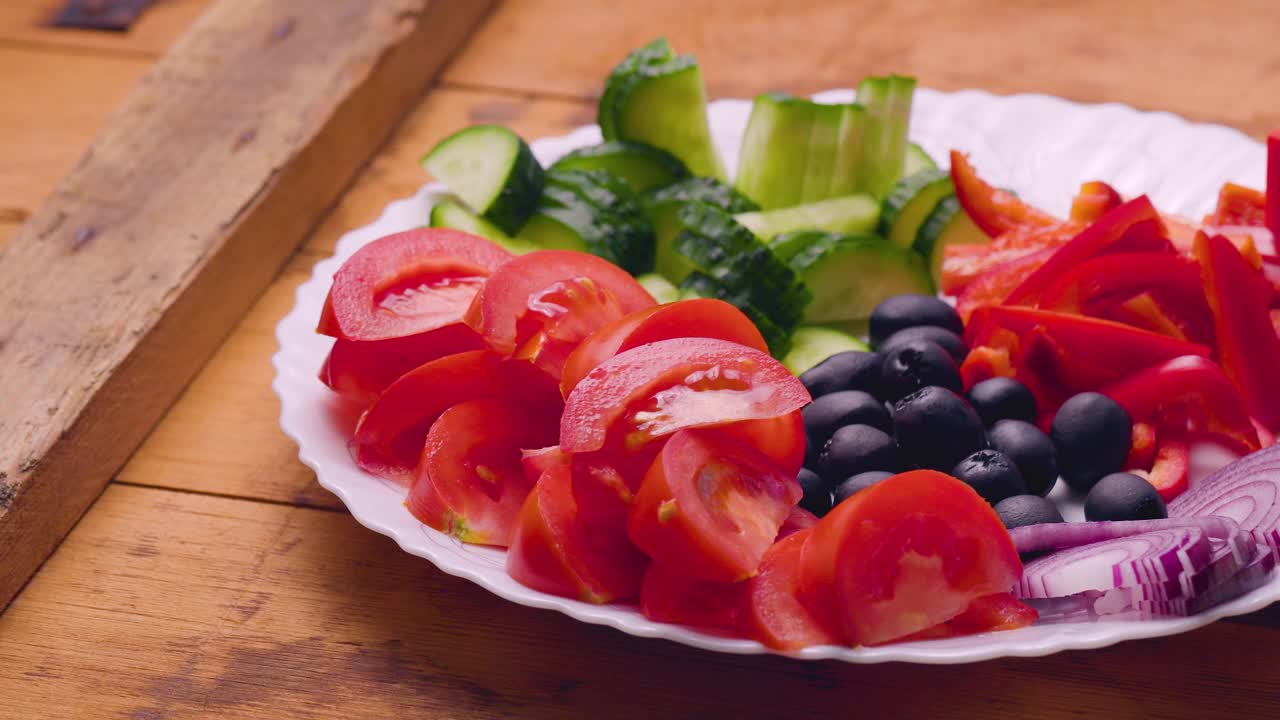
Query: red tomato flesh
[[907, 554], [775, 616], [408, 283], [711, 505], [362, 370], [780, 439], [470, 483], [539, 460], [670, 595]]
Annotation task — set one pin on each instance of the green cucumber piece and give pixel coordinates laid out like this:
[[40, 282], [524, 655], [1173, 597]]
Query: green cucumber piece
[[661, 206], [774, 155], [821, 152], [592, 211], [701, 285], [948, 224], [449, 214], [852, 214], [657, 98], [844, 170], [811, 345], [849, 275], [492, 170], [910, 203], [916, 160], [659, 287], [787, 245], [641, 167], [882, 155]]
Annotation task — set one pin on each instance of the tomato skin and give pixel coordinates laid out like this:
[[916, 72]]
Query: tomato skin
[[362, 370], [705, 317], [902, 556], [554, 549], [671, 596], [470, 482], [390, 434], [378, 294], [799, 519], [539, 460], [656, 389], [781, 439], [710, 506], [774, 615]]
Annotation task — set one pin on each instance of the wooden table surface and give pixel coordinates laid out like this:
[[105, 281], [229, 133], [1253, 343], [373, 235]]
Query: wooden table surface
[[215, 578]]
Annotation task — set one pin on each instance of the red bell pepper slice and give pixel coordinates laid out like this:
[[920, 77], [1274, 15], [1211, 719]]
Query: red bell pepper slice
[[1094, 200], [1142, 446], [1188, 384], [994, 285], [962, 265], [995, 211], [1273, 183], [1171, 472], [1238, 205], [1248, 346], [1133, 227]]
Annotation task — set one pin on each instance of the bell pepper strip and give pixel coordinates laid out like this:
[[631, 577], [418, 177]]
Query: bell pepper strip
[[963, 264], [1248, 347], [994, 285], [1273, 183], [1133, 227], [1143, 311], [994, 211], [1094, 200], [1142, 447], [1194, 384], [1271, 271], [1275, 320], [1171, 470], [1265, 437], [988, 361], [1239, 205]]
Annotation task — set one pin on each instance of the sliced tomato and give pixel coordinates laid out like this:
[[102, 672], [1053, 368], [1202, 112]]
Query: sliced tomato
[[1094, 200], [995, 211], [554, 549], [541, 305], [780, 439], [670, 595], [408, 283], [1239, 205], [775, 616], [705, 317], [362, 370], [907, 554], [539, 460], [389, 437], [470, 483], [798, 519], [990, 613], [711, 505]]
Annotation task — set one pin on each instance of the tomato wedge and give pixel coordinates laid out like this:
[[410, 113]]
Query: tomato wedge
[[390, 434], [539, 460], [554, 550], [670, 595], [992, 613], [774, 615], [799, 519], [780, 439], [470, 483], [539, 306], [361, 370], [705, 317], [902, 556], [711, 505], [408, 283]]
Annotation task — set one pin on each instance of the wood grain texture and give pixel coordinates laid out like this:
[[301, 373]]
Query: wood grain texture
[[121, 286], [222, 436], [204, 607], [26, 22], [1155, 56]]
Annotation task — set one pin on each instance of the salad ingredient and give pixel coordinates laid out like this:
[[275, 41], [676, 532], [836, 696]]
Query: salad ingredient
[[449, 214], [1220, 531], [710, 505], [1171, 464], [361, 370], [701, 285], [849, 370], [832, 411], [992, 474], [994, 211], [856, 449], [916, 364], [789, 149], [1247, 492], [659, 287], [848, 214], [947, 225], [883, 143], [987, 276], [592, 211], [944, 338], [775, 615], [1094, 200], [858, 483], [910, 203], [662, 204], [906, 311], [1022, 510], [908, 553], [1091, 433], [781, 439], [1136, 562], [492, 170], [1030, 449], [850, 275], [798, 519], [641, 167], [668, 594], [1002, 398], [811, 345], [469, 481], [1123, 496], [407, 283], [936, 429], [916, 160], [657, 98], [1273, 183], [816, 497], [1239, 206]]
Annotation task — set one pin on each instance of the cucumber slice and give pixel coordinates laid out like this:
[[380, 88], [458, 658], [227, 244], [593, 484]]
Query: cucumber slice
[[844, 170], [659, 287], [659, 99], [811, 345], [853, 214], [641, 167], [883, 154], [492, 170], [821, 152], [786, 135], [449, 214], [787, 245], [917, 159], [948, 224], [592, 211], [701, 285], [661, 206], [850, 275], [910, 203]]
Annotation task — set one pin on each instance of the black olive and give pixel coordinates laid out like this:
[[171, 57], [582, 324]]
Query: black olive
[[904, 311], [830, 412], [817, 493], [917, 364], [945, 339], [1031, 450], [849, 370], [1124, 496], [1092, 434], [1022, 510], [854, 449], [1002, 398], [992, 474], [936, 429]]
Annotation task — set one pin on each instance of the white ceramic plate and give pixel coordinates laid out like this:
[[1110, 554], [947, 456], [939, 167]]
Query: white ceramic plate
[[1043, 147]]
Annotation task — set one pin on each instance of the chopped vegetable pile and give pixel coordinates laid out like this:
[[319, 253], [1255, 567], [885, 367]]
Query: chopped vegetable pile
[[653, 387]]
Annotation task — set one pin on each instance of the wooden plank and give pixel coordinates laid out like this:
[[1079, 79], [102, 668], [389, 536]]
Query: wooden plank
[[1156, 56], [210, 607], [222, 435], [27, 22], [64, 100], [183, 211]]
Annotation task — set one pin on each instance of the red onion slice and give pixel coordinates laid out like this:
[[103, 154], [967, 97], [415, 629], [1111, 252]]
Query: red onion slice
[[1246, 491], [1145, 559], [1060, 536]]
